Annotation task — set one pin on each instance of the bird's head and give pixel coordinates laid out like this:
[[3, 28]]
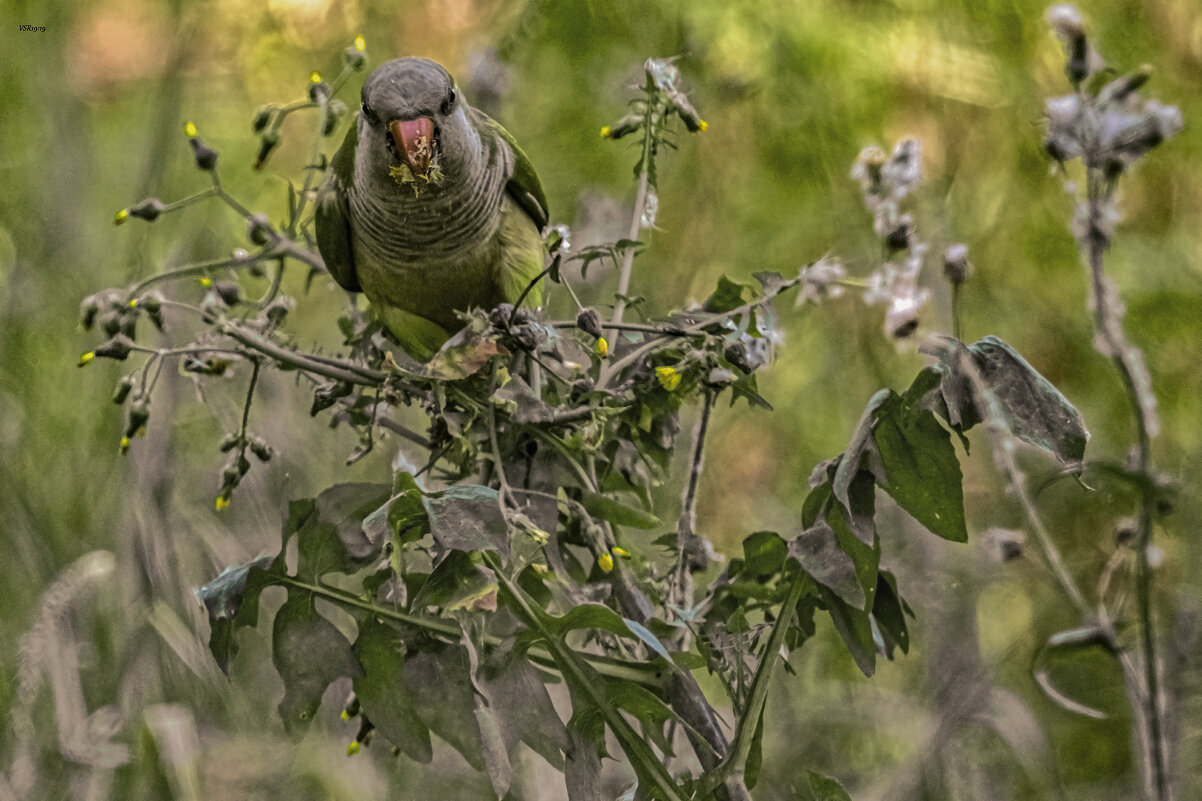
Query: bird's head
[[412, 116]]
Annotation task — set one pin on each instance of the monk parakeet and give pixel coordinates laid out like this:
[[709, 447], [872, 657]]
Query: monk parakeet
[[429, 207]]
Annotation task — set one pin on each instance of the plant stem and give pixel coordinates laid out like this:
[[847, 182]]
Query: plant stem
[[636, 221], [749, 721], [1108, 324]]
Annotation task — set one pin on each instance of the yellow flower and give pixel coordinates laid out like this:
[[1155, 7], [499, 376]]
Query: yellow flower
[[669, 377], [605, 131], [602, 347], [353, 748], [314, 77], [190, 129], [124, 445], [121, 216], [222, 503], [622, 552], [703, 126], [205, 281], [360, 44], [86, 358], [605, 562]]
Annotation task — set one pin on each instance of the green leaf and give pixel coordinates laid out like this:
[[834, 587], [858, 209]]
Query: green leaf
[[888, 612], [687, 660], [468, 518], [817, 551], [524, 710], [855, 628], [458, 582], [232, 602], [921, 469], [764, 553], [729, 295], [331, 537], [582, 768], [308, 652], [446, 702], [825, 788], [382, 691], [755, 756], [590, 616], [648, 638], [616, 512]]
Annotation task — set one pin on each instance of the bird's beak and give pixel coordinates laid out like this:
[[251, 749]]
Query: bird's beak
[[414, 142]]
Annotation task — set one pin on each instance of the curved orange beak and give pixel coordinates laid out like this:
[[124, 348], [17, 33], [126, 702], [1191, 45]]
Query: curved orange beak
[[414, 141]]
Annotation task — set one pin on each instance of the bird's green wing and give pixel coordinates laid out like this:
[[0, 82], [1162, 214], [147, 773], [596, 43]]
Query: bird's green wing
[[332, 215], [524, 185]]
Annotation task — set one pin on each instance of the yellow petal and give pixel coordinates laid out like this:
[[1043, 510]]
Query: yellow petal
[[360, 44], [190, 129], [605, 562]]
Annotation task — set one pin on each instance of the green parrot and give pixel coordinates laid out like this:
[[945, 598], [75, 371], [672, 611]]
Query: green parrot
[[429, 207]]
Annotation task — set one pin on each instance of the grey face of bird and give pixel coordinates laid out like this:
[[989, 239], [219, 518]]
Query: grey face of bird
[[414, 123]]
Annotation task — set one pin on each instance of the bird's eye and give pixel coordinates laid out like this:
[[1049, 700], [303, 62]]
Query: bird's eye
[[370, 114], [449, 104]]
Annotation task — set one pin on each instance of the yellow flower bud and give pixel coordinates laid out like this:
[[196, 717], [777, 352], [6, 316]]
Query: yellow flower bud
[[121, 216], [605, 131], [205, 281], [222, 503], [314, 77], [190, 129], [602, 346], [669, 377], [703, 126], [124, 445], [360, 44], [605, 562], [86, 358], [353, 748], [622, 552]]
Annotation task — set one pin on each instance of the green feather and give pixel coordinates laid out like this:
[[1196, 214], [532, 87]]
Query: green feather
[[524, 186], [332, 217]]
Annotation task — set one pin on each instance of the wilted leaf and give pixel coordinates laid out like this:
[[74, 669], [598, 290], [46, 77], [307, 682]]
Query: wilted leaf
[[817, 551], [492, 748], [463, 355], [382, 691], [1034, 410], [467, 518], [308, 652]]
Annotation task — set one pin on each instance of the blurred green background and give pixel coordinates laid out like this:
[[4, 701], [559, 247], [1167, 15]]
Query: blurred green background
[[106, 689]]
